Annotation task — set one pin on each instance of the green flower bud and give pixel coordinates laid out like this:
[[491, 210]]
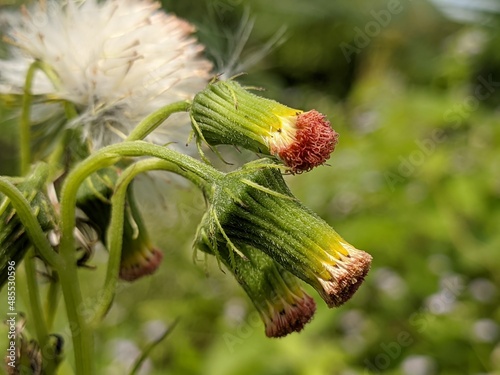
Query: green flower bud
[[282, 304], [14, 241], [254, 207], [139, 257], [226, 113]]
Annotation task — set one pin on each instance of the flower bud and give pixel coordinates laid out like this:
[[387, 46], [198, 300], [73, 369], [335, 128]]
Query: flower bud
[[254, 207], [283, 305], [139, 257], [226, 113]]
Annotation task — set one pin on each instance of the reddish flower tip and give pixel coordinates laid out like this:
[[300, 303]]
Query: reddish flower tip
[[292, 317], [346, 277], [314, 141], [140, 264]]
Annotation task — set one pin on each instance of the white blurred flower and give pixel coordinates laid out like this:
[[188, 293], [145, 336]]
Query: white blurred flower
[[116, 61], [418, 365], [485, 330]]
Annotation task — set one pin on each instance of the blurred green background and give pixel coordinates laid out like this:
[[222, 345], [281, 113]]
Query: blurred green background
[[413, 88]]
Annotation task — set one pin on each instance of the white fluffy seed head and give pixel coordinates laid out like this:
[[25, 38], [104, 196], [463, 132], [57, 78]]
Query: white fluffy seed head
[[116, 61]]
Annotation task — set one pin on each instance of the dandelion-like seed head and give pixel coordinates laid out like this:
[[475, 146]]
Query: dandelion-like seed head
[[116, 61]]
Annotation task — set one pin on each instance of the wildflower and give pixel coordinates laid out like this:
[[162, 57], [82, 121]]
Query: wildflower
[[254, 207], [282, 304], [226, 113], [139, 257], [116, 61]]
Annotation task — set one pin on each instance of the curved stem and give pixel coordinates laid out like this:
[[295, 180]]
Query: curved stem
[[67, 273], [140, 360], [50, 73], [201, 174], [39, 241], [41, 244], [115, 229], [155, 119], [24, 126], [55, 157], [30, 223]]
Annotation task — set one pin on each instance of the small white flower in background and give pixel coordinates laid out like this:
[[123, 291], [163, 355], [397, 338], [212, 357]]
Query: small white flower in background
[[117, 61]]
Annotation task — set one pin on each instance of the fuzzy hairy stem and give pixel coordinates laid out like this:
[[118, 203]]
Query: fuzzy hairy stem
[[115, 229], [199, 173]]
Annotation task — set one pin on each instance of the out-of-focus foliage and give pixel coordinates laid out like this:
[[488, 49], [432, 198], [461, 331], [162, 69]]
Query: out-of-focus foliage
[[415, 181]]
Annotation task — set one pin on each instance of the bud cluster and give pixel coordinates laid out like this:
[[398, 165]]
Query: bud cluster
[[91, 105], [253, 207], [253, 224]]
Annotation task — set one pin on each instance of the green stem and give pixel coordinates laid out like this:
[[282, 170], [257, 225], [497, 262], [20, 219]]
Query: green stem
[[39, 241], [24, 126], [155, 119], [56, 156], [115, 230], [36, 312], [67, 273], [52, 300], [190, 168], [70, 110], [49, 73], [150, 347], [29, 261], [80, 334], [25, 123], [30, 223]]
